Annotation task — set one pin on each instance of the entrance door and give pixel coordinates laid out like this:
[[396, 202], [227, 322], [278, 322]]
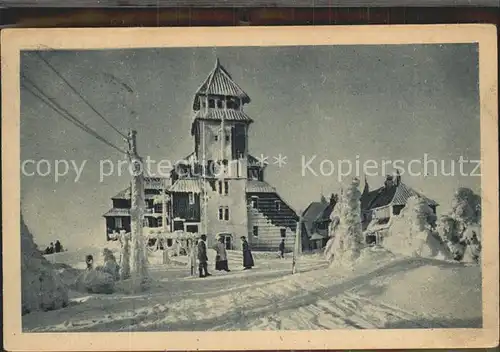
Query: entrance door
[[228, 240]]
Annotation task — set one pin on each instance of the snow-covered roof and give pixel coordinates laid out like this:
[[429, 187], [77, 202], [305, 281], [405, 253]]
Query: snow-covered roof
[[395, 195], [220, 82], [254, 186], [218, 115], [154, 182], [124, 194], [317, 237], [117, 212], [403, 192], [187, 185]]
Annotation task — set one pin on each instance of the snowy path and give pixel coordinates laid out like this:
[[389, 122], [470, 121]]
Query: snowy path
[[265, 298]]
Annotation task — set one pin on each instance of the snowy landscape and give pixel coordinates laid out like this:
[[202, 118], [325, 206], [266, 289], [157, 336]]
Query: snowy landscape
[[417, 286], [238, 250]]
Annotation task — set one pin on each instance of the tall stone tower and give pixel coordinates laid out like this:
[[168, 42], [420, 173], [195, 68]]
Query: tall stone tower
[[220, 131]]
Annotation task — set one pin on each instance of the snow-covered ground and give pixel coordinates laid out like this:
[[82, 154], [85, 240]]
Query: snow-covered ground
[[382, 291]]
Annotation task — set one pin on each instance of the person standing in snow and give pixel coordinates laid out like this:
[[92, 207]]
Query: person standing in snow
[[57, 246], [221, 257], [202, 257], [51, 247], [282, 248], [247, 254], [89, 260]]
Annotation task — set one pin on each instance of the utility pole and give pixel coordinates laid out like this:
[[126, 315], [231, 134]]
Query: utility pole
[[297, 245], [166, 258], [139, 265]]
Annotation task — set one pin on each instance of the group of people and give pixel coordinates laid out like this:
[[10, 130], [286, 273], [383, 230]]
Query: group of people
[[221, 263], [54, 248]]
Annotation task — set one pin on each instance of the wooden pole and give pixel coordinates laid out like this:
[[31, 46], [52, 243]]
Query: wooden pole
[[138, 267], [297, 245], [166, 258]]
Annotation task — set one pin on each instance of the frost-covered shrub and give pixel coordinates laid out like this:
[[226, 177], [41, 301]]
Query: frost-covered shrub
[[95, 281], [42, 288], [411, 232], [110, 266]]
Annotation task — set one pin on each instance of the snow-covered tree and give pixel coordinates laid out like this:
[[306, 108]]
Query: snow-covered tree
[[460, 229], [348, 237], [411, 232], [466, 207], [42, 287], [125, 255]]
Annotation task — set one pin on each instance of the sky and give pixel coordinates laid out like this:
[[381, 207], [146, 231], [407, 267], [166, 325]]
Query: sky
[[330, 103]]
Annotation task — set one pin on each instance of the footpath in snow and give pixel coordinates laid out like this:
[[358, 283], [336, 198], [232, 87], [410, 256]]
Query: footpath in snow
[[383, 291]]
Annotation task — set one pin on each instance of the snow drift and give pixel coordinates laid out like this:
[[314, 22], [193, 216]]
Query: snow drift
[[42, 287]]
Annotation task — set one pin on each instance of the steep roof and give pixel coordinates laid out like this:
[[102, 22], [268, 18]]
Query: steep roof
[[187, 185], [395, 195], [220, 82], [312, 212], [117, 212], [254, 186], [404, 192], [150, 183]]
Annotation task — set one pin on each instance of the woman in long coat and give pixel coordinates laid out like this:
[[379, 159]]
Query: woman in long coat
[[221, 257], [247, 254]]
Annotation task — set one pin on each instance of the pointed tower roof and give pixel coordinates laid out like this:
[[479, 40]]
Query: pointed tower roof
[[220, 82]]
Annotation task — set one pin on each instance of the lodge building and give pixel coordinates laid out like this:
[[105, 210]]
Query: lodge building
[[378, 207], [219, 189]]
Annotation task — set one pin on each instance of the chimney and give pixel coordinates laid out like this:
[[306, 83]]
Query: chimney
[[398, 178], [389, 181], [333, 199]]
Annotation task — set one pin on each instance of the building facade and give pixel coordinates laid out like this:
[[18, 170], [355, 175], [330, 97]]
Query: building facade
[[219, 189], [380, 205]]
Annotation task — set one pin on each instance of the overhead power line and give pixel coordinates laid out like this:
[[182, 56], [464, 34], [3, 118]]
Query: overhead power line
[[78, 93], [50, 102]]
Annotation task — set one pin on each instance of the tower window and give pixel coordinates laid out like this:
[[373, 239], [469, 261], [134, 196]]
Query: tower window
[[211, 103], [226, 187], [224, 213], [216, 137], [219, 104]]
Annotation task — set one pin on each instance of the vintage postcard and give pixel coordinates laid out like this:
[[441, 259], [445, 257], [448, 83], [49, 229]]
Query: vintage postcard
[[250, 188]]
